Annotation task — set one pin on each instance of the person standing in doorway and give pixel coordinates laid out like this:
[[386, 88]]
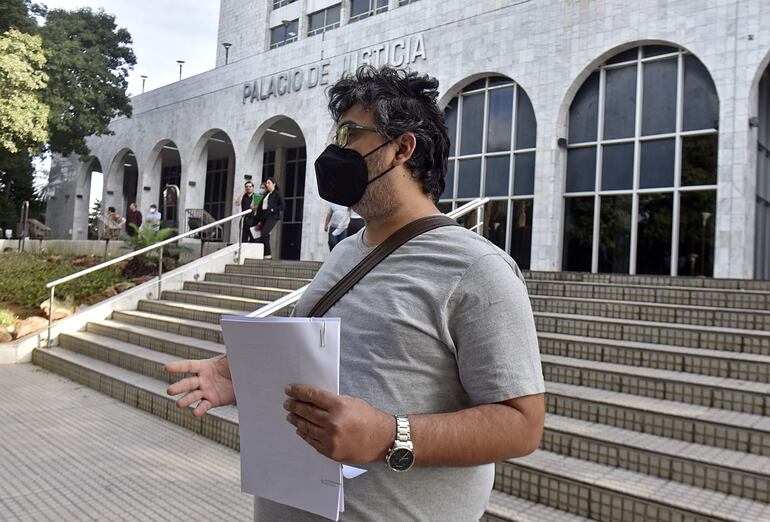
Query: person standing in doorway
[[271, 212], [247, 200], [153, 217], [134, 218], [336, 224]]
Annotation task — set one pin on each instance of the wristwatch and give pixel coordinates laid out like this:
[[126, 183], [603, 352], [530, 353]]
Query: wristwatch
[[401, 456]]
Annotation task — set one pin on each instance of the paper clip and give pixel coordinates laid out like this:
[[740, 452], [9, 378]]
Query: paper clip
[[323, 334]]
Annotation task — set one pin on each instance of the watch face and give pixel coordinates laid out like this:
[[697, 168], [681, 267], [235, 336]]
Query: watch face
[[401, 459]]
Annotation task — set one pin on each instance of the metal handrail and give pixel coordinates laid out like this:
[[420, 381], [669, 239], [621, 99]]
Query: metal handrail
[[293, 297], [53, 284]]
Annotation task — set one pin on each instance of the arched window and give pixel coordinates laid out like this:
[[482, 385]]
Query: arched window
[[492, 129], [643, 133]]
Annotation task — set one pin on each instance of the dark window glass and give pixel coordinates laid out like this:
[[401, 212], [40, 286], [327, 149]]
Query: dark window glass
[[615, 234], [625, 56], [618, 167], [499, 80], [659, 100], [701, 105], [478, 84], [699, 160], [473, 124], [696, 233], [619, 102], [288, 212], [521, 232], [498, 176], [657, 50], [581, 169], [657, 164], [450, 115], [583, 112], [469, 178], [359, 7], [495, 221], [524, 174], [281, 35], [323, 20], [449, 180], [500, 120], [653, 251], [526, 126], [578, 232]]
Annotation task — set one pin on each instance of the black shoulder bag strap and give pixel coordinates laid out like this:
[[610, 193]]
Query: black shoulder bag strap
[[383, 250]]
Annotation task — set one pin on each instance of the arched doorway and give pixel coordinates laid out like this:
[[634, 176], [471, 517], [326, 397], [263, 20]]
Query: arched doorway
[[640, 194], [762, 236], [121, 183], [170, 181], [492, 130], [219, 155], [94, 184], [284, 158]]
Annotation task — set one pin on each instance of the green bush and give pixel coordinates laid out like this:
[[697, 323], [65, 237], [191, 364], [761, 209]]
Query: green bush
[[23, 277], [7, 319], [147, 264]]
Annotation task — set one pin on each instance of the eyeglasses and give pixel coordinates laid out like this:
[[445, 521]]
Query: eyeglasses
[[342, 135]]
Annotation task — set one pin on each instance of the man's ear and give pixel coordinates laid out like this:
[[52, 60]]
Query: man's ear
[[406, 143]]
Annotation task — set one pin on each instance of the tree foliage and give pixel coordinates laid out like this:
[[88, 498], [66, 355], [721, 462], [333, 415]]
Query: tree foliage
[[89, 59], [23, 114]]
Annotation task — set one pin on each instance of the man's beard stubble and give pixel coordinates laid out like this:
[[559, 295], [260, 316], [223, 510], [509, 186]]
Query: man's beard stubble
[[378, 202]]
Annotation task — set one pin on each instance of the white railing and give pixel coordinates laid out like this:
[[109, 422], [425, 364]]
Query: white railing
[[293, 297], [53, 284]]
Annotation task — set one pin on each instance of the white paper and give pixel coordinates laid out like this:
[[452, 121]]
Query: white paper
[[266, 355]]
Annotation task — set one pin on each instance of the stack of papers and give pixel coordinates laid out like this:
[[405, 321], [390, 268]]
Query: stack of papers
[[266, 355]]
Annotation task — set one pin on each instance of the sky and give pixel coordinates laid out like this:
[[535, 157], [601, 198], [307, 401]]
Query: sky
[[163, 32]]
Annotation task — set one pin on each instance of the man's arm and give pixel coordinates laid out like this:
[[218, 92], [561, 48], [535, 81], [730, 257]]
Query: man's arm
[[239, 199], [350, 430]]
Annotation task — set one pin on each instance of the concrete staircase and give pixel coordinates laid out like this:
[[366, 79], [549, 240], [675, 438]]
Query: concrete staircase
[[658, 397]]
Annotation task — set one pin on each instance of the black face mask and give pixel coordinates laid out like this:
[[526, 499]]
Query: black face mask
[[343, 176]]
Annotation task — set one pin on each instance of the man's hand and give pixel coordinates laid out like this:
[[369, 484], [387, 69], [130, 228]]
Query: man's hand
[[343, 428], [212, 384]]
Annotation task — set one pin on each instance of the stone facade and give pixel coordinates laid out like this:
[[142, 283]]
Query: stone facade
[[548, 47]]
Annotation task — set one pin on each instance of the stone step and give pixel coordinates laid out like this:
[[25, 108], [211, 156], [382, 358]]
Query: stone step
[[139, 391], [159, 340], [281, 263], [705, 337], [653, 312], [718, 298], [507, 508], [703, 390], [119, 353], [196, 312], [287, 283], [242, 304], [736, 431], [650, 280], [260, 293], [204, 330], [731, 472], [716, 363], [269, 270], [610, 494]]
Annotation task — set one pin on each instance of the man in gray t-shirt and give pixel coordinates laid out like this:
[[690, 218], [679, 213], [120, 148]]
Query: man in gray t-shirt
[[439, 366]]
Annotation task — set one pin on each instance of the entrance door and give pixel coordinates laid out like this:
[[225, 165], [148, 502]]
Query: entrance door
[[293, 193]]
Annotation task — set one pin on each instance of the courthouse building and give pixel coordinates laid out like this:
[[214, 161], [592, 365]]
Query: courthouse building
[[627, 136]]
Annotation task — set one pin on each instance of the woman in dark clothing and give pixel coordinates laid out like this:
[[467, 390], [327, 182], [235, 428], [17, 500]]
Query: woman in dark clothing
[[270, 212]]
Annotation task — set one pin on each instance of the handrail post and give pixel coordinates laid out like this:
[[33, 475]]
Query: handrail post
[[50, 318], [240, 240], [479, 218], [160, 271]]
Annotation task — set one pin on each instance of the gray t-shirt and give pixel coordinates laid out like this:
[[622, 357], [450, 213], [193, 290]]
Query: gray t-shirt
[[442, 324]]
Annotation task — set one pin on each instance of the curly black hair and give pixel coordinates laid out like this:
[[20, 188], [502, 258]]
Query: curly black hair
[[400, 101]]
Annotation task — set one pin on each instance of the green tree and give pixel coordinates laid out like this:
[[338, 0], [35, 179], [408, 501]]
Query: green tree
[[23, 115], [88, 61], [16, 13]]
